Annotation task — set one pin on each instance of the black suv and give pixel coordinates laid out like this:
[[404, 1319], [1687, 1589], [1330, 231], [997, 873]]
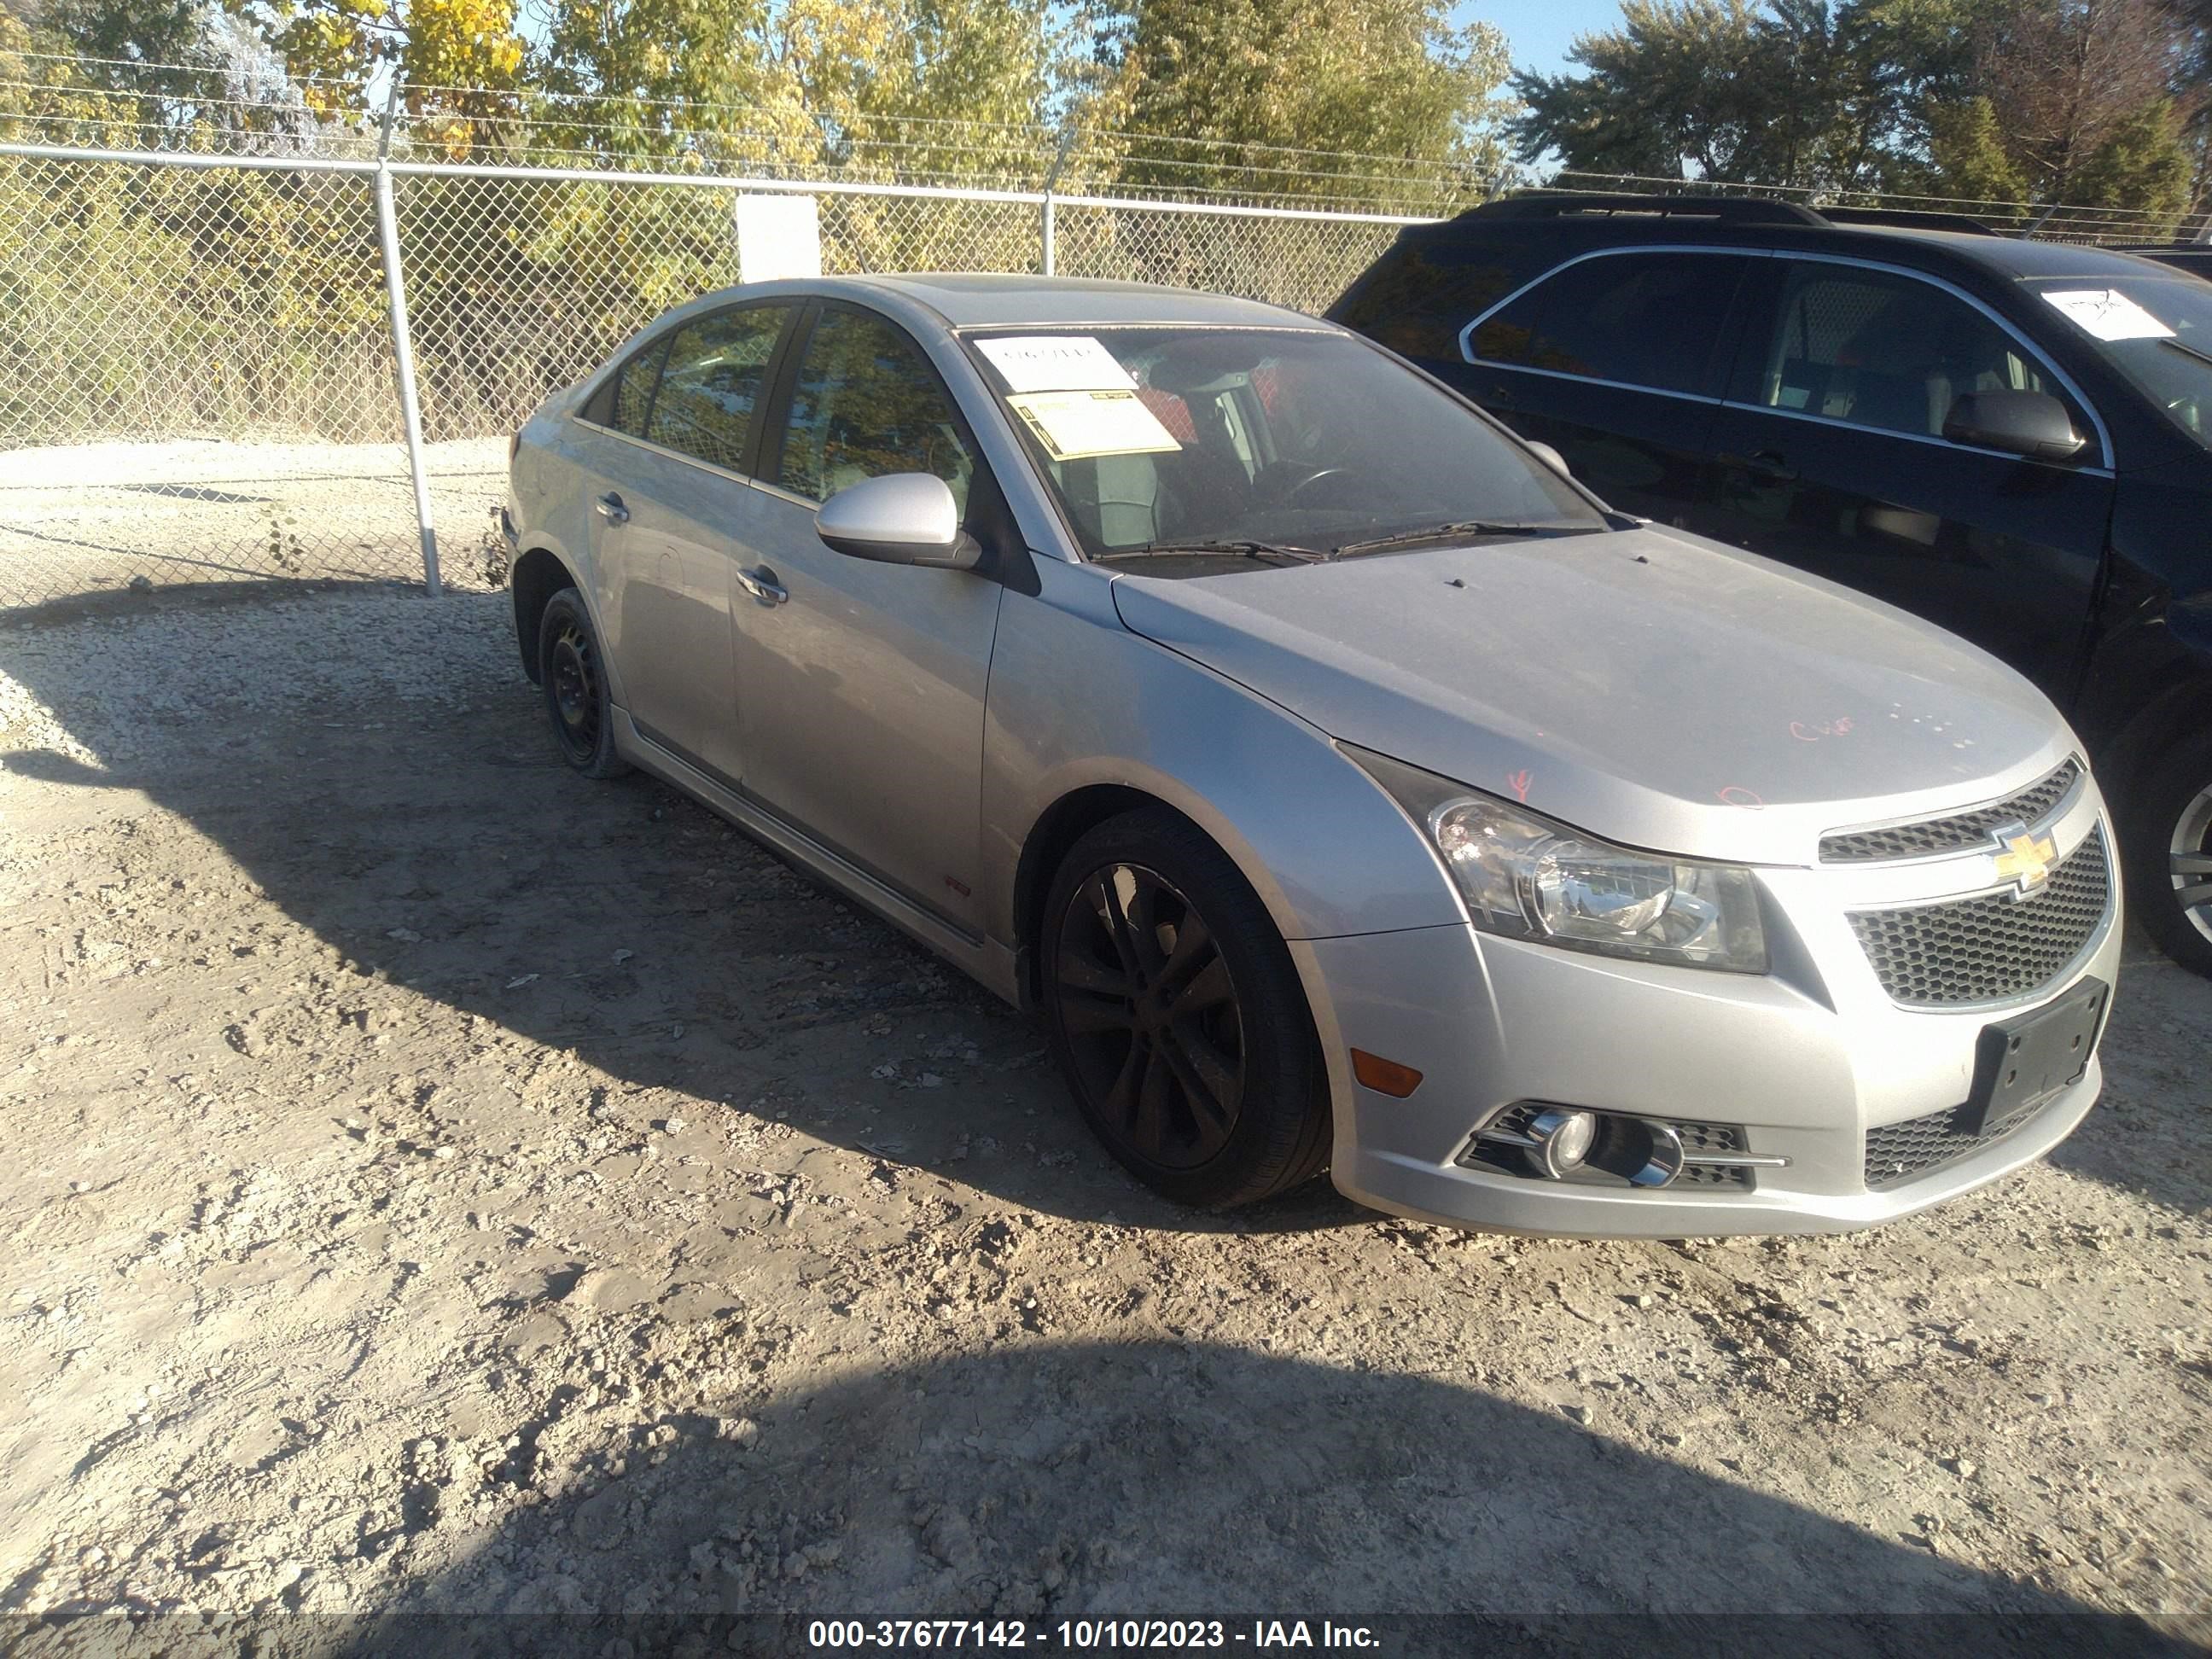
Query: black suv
[[2011, 438]]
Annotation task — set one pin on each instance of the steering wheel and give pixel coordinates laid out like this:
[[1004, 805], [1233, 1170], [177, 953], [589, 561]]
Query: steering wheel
[[1289, 498]]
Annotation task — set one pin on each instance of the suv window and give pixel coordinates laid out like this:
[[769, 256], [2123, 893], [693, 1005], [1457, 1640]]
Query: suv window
[[867, 402], [712, 381], [1645, 319], [1886, 351]]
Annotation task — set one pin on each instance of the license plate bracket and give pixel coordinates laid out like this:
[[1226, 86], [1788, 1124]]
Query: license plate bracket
[[2022, 1061]]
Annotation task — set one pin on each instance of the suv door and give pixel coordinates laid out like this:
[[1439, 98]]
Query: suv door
[[1617, 360], [1832, 458], [862, 722]]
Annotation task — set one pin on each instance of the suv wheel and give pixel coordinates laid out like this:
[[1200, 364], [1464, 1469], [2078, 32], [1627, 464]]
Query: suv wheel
[[2169, 854], [1176, 1017]]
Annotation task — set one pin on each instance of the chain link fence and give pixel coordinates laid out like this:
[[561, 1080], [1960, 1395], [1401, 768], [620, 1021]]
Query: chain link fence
[[197, 359], [200, 378]]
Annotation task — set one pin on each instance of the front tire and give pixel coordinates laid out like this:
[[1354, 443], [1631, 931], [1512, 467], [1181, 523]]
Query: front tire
[[571, 673], [1176, 1017], [2169, 854]]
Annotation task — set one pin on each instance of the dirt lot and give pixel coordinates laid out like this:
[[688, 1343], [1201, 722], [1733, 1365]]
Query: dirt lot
[[431, 1180]]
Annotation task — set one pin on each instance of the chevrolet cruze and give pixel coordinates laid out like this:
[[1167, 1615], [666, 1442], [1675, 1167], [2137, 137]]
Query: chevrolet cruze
[[1346, 786]]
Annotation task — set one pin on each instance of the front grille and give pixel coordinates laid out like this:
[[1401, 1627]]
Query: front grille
[[1959, 832], [1896, 1152], [1988, 949]]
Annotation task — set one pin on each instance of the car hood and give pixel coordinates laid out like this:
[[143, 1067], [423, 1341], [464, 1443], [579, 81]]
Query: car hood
[[1651, 687]]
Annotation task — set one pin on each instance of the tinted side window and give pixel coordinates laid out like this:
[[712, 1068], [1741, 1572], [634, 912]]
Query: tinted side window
[[713, 380], [1885, 351], [865, 403], [1648, 320], [633, 389], [1420, 293]]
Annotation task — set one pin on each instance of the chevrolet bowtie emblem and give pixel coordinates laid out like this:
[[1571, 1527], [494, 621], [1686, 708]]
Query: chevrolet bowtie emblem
[[2023, 858]]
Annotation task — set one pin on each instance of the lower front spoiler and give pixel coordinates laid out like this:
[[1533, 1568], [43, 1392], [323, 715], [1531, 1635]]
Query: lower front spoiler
[[1457, 1197]]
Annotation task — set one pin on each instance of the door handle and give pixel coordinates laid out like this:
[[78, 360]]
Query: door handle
[[610, 507], [762, 585], [1766, 464]]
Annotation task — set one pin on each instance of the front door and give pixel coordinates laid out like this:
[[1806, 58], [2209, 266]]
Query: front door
[[862, 715], [1616, 360], [1832, 458]]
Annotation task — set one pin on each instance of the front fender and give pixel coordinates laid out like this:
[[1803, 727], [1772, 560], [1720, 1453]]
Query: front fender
[[1077, 701]]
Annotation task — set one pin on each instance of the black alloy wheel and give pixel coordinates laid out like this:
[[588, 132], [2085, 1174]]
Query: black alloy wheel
[[1150, 1015], [1176, 1015]]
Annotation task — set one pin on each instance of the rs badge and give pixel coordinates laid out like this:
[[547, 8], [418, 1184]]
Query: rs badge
[[2022, 859]]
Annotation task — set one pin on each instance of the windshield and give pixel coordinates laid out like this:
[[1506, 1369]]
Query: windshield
[[2156, 331], [1268, 442]]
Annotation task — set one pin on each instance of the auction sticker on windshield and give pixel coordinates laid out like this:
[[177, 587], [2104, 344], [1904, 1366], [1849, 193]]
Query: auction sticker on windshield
[[2108, 315], [1056, 362], [1075, 426]]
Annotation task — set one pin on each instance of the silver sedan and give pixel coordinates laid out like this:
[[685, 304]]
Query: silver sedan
[[1347, 787]]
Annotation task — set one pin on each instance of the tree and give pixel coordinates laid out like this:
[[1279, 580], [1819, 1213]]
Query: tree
[[2065, 76], [1967, 156], [1258, 79], [2141, 169]]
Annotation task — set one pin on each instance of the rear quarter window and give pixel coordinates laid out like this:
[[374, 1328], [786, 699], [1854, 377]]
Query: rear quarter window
[[1643, 320], [1419, 295]]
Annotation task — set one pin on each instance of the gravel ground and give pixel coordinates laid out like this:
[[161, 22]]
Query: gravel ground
[[429, 1181], [90, 517]]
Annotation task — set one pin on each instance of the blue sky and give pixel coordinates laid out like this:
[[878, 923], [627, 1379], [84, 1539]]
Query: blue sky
[[1540, 31]]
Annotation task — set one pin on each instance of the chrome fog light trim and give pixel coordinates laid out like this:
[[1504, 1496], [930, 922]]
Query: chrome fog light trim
[[1562, 1138]]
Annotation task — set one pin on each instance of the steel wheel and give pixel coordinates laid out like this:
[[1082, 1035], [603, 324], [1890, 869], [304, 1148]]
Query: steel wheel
[[574, 675], [1150, 1016], [2190, 861]]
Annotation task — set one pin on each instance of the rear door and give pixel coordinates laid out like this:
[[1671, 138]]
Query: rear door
[[1616, 359], [862, 717], [1831, 457], [693, 520]]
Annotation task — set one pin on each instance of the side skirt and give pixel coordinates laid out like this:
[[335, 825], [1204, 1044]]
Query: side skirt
[[990, 963]]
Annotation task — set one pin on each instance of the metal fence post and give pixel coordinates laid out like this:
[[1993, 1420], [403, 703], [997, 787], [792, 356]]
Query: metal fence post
[[1051, 178], [403, 351]]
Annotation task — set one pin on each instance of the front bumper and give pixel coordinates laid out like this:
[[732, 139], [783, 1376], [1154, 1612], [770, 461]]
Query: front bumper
[[1804, 1062]]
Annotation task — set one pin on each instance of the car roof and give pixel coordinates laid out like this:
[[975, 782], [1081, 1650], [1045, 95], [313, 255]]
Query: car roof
[[975, 300], [1756, 223]]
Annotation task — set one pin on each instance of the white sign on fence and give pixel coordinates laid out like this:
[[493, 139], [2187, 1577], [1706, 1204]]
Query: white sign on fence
[[778, 236]]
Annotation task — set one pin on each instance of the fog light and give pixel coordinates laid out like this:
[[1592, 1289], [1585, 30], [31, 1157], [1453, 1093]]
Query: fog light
[[1563, 1140]]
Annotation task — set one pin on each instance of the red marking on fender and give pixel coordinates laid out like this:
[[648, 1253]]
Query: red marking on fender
[[1736, 795], [957, 886], [1518, 782], [1837, 727]]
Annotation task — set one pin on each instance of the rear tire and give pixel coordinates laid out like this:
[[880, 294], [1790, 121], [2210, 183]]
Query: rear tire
[[1175, 1015], [2169, 852], [573, 677]]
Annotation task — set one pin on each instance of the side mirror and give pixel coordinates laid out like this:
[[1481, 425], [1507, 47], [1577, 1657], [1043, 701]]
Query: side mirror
[[1549, 456], [2030, 423], [899, 518]]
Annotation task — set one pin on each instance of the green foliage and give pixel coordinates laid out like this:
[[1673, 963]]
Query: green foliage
[[2141, 169], [1967, 155], [1382, 79], [2060, 100]]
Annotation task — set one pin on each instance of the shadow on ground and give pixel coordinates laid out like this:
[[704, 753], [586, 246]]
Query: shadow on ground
[[1043, 1482]]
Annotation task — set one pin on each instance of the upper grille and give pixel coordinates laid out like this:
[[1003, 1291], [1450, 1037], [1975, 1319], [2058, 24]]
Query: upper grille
[[1897, 1152], [1956, 833], [1987, 949]]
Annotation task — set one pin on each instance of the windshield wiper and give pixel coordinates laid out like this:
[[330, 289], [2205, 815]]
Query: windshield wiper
[[2171, 344], [1228, 550], [1438, 533]]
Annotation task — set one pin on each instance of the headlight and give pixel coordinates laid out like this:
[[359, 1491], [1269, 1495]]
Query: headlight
[[1526, 877]]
